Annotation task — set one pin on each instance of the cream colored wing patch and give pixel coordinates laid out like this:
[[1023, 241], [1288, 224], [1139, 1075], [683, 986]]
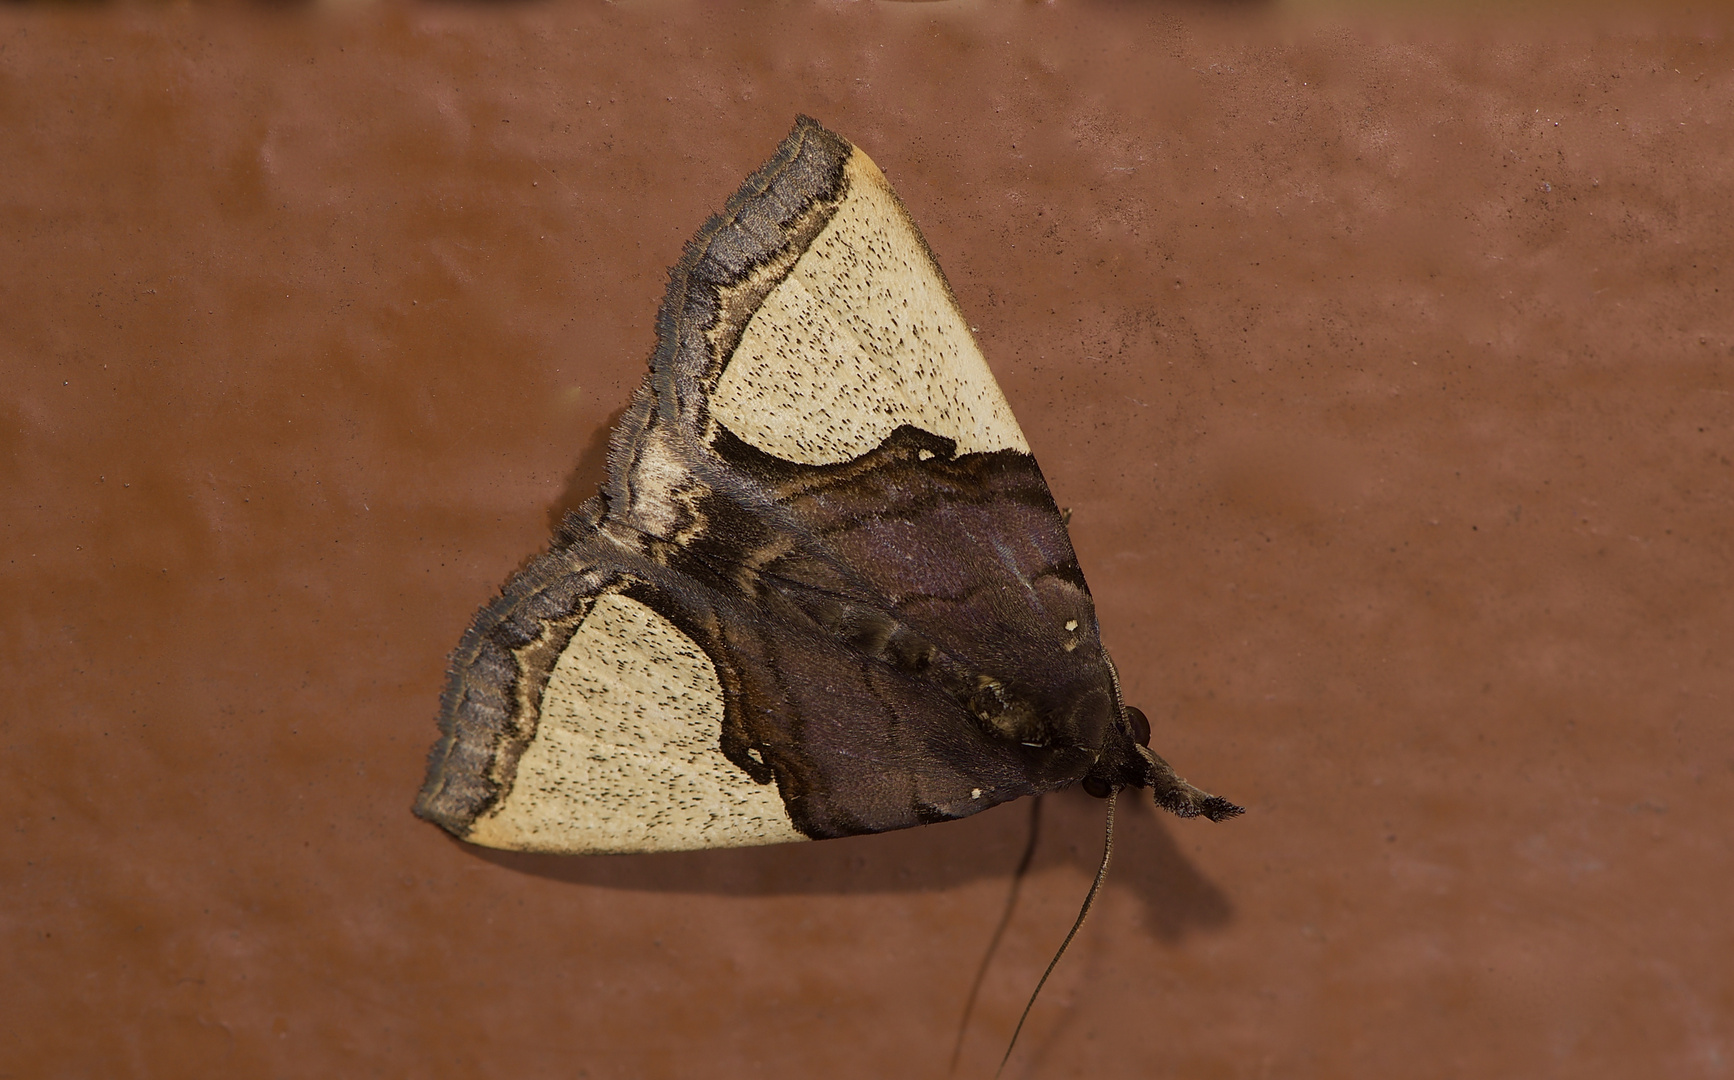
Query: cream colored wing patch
[[862, 335], [626, 754]]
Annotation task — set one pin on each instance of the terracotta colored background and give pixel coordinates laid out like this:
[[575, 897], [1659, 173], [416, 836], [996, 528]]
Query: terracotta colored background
[[1385, 364]]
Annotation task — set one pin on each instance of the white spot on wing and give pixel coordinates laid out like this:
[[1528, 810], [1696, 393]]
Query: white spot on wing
[[626, 755]]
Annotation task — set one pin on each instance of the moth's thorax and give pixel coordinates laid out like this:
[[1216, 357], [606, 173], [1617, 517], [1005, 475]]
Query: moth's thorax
[[664, 495]]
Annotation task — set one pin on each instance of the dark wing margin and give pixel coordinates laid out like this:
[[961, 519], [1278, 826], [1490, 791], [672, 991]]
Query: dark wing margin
[[736, 259], [494, 684], [495, 677]]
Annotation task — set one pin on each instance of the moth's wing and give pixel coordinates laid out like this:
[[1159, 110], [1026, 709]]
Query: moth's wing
[[811, 319], [819, 488], [842, 444], [609, 703], [807, 324], [857, 739], [577, 719], [897, 623]]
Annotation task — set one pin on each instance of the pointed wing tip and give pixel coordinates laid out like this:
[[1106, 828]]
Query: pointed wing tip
[[806, 127], [432, 805]]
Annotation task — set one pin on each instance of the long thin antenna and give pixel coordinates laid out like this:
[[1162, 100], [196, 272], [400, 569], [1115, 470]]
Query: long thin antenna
[[1011, 903], [1089, 900]]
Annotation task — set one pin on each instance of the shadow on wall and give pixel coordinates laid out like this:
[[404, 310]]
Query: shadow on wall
[[1177, 899], [586, 477]]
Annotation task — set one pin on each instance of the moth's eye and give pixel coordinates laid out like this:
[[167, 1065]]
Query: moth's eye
[[1140, 725], [1096, 786]]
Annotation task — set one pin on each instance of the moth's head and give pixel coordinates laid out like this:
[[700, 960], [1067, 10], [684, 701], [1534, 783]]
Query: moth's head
[[1083, 718], [1143, 767], [1061, 726], [1120, 764]]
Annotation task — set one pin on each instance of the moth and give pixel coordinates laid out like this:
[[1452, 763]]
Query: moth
[[824, 590]]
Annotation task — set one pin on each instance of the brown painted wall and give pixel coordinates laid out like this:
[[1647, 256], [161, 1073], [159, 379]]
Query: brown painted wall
[[1386, 367]]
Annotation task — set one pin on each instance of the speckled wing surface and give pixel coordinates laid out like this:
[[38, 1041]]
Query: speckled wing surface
[[825, 589]]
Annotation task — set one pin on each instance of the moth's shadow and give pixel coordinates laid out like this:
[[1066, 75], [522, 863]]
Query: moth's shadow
[[1147, 861], [586, 477]]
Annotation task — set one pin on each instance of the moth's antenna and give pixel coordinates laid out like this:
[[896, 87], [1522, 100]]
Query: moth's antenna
[[1011, 902], [1096, 887]]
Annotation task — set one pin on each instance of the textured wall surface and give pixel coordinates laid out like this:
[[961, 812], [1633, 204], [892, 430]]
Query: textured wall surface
[[1385, 366]]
